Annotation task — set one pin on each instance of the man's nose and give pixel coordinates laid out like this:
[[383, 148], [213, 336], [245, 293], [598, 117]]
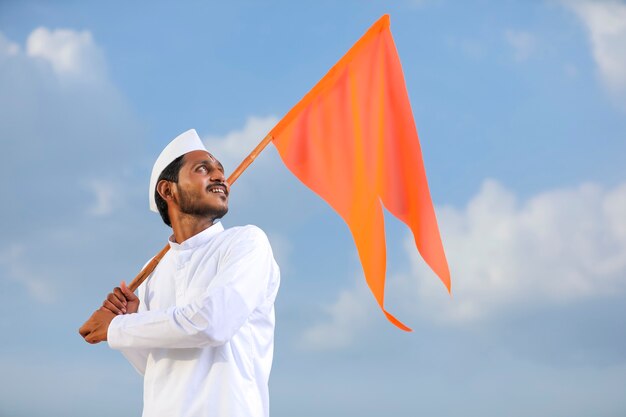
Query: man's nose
[[218, 176]]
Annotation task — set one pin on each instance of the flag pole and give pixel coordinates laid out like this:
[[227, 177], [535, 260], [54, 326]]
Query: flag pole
[[249, 159], [147, 270]]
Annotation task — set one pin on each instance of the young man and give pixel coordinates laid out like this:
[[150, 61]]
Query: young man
[[201, 328]]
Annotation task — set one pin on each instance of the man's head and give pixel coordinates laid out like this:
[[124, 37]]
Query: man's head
[[170, 173], [188, 180]]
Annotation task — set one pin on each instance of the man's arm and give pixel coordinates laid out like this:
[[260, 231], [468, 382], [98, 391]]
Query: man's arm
[[95, 330], [240, 287]]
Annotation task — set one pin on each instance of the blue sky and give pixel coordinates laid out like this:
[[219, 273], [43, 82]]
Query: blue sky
[[521, 111]]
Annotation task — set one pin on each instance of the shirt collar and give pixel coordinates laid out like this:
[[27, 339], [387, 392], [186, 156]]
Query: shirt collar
[[197, 239]]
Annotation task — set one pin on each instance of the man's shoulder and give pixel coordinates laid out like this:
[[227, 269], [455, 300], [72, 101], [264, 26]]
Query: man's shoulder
[[244, 233]]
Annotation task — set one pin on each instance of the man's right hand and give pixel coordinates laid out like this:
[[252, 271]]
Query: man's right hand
[[121, 301]]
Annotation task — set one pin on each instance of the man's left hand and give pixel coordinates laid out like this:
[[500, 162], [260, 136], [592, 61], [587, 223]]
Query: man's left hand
[[95, 329]]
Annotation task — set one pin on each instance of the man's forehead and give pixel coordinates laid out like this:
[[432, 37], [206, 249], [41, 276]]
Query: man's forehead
[[200, 155]]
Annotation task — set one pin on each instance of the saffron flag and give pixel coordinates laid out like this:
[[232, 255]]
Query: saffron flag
[[352, 140]]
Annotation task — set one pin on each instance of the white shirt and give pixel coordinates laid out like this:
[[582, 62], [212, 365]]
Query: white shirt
[[204, 334]]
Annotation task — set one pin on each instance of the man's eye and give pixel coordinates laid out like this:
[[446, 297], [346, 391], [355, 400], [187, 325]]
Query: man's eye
[[203, 168]]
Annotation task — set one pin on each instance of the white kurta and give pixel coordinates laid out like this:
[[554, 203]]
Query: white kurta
[[204, 334]]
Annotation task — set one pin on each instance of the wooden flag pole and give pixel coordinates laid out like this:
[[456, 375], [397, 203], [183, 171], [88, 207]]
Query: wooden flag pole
[[249, 159], [147, 270]]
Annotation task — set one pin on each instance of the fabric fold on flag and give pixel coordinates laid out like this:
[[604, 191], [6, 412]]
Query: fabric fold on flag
[[353, 141]]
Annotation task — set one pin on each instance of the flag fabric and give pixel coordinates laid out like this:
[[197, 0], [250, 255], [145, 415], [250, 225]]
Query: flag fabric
[[352, 140]]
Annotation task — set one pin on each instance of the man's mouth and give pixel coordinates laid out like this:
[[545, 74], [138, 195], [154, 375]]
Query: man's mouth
[[218, 189]]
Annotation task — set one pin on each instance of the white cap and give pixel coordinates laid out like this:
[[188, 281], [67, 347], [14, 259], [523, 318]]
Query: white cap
[[182, 144]]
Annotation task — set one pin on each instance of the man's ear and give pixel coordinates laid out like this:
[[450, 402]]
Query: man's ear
[[166, 190]]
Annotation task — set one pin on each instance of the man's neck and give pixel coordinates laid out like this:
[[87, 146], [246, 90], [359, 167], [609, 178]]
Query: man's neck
[[187, 226]]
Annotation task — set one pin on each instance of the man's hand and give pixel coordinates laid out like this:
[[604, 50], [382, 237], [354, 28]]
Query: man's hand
[[121, 300], [95, 329]]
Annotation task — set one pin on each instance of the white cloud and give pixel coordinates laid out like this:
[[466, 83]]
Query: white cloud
[[7, 47], [347, 317], [557, 247], [505, 256], [233, 147], [71, 54], [107, 196], [605, 21], [15, 263], [523, 44]]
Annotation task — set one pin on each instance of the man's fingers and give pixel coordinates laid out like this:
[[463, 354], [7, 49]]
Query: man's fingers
[[130, 296], [117, 291], [117, 299], [113, 308]]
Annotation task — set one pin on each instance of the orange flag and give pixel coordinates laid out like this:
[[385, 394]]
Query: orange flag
[[352, 140]]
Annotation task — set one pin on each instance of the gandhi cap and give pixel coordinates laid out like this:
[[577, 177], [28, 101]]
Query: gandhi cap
[[185, 142]]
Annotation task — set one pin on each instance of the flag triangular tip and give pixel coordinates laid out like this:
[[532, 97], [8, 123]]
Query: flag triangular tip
[[397, 322]]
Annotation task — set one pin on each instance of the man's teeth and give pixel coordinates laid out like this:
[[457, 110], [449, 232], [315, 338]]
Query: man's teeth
[[217, 190]]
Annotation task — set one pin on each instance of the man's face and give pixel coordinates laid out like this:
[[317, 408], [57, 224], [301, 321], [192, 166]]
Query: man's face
[[202, 190]]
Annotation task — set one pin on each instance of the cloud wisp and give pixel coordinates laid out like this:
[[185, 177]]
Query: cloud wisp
[[233, 147], [16, 268], [605, 21], [523, 44], [71, 54]]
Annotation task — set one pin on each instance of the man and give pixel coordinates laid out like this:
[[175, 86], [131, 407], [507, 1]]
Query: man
[[201, 328]]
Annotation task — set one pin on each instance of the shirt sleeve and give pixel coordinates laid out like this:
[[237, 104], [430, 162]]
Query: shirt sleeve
[[138, 358], [242, 284]]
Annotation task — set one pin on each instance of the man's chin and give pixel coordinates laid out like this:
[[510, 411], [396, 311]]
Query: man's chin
[[213, 212], [220, 214]]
